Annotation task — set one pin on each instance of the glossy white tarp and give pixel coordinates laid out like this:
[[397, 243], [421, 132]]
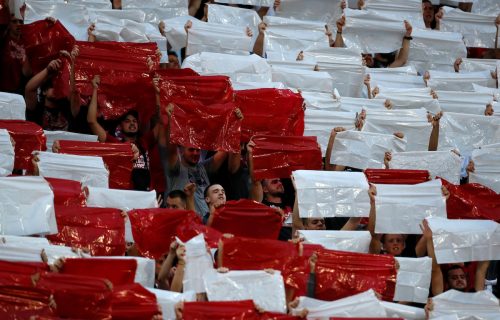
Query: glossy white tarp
[[263, 3], [359, 104], [30, 252], [198, 262], [495, 93], [66, 135], [12, 106], [467, 132], [126, 4], [372, 33], [352, 241], [364, 150], [410, 100], [466, 305], [320, 101], [12, 240], [26, 206], [234, 16], [121, 199], [320, 123], [6, 154], [175, 33], [464, 102], [410, 10], [443, 164], [486, 168], [391, 80], [471, 65], [453, 81], [266, 290], [487, 7], [90, 171], [331, 193], [401, 208], [303, 79], [413, 280], [168, 299], [246, 85], [397, 310], [327, 11], [478, 30], [458, 241]]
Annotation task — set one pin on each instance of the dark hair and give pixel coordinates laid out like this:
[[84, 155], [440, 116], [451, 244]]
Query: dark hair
[[205, 193], [426, 1], [178, 194], [132, 113], [172, 53], [453, 267]]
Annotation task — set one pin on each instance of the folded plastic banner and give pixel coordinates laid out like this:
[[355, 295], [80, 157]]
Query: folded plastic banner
[[278, 157], [486, 168], [391, 80], [321, 101], [326, 11], [410, 100], [395, 310], [156, 10], [443, 164], [464, 102], [12, 106], [266, 290], [414, 279], [67, 192], [352, 241], [215, 310], [235, 216], [198, 263], [145, 271], [31, 252], [474, 64], [89, 171], [393, 176], [465, 305], [486, 7], [359, 104], [453, 81], [28, 137], [66, 135], [118, 271], [27, 206], [258, 106], [143, 302], [236, 17], [364, 150], [12, 240], [6, 154], [466, 132], [331, 194], [121, 199], [303, 79], [410, 10]]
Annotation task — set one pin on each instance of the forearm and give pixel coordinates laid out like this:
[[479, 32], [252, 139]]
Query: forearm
[[421, 247], [402, 56], [328, 155], [351, 224], [296, 221], [178, 278], [164, 270], [339, 40], [434, 138], [32, 87], [217, 161], [74, 98], [234, 162], [258, 47], [480, 278]]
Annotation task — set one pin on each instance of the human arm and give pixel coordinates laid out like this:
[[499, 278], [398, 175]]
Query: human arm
[[166, 266], [95, 127], [189, 190], [178, 279], [30, 92], [480, 277], [403, 53], [193, 7], [256, 192], [90, 33], [74, 97], [375, 243], [351, 224], [439, 15], [264, 10], [234, 158], [434, 138], [258, 47], [329, 148], [339, 41]]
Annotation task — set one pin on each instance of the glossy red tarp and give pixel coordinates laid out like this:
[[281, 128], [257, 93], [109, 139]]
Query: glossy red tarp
[[100, 230], [23, 303], [154, 229], [278, 316], [206, 90], [29, 137], [26, 268], [117, 156], [220, 310], [270, 112], [472, 201], [43, 41], [295, 275], [133, 301], [67, 192], [337, 318], [277, 157], [169, 73], [118, 271], [188, 229], [341, 274], [395, 176], [235, 217]]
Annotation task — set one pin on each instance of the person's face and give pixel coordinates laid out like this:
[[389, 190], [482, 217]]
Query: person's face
[[457, 279], [129, 125], [15, 26], [173, 62], [315, 224], [191, 155], [274, 187], [368, 60], [216, 194], [394, 244], [428, 12], [175, 203]]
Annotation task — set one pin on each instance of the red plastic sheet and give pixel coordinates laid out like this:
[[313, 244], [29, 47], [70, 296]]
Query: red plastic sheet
[[205, 89], [278, 316], [133, 301], [235, 217], [101, 230], [472, 201], [341, 274], [154, 229], [188, 229], [295, 275], [28, 137], [256, 254], [367, 318], [26, 268], [67, 192], [270, 112], [395, 176], [118, 271], [24, 304], [43, 41], [117, 156], [277, 157], [220, 310], [169, 73]]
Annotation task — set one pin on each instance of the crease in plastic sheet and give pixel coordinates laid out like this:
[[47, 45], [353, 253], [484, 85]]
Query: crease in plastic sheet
[[133, 301], [486, 168], [31, 252], [7, 154], [66, 135], [13, 240], [292, 36], [90, 171], [410, 100], [495, 93], [457, 241], [360, 104], [145, 272], [27, 206], [266, 290], [401, 208], [168, 299], [352, 241], [320, 101], [479, 305], [234, 16], [67, 192], [213, 37], [397, 310], [198, 264], [391, 80], [444, 164], [453, 81], [326, 11], [370, 32], [435, 50], [215, 310], [320, 123], [466, 132], [364, 150], [486, 7], [303, 79], [118, 271], [12, 106], [392, 176], [156, 10], [174, 31], [250, 85], [331, 194], [358, 305], [262, 3], [478, 30], [414, 279], [473, 65], [412, 123], [464, 102], [410, 10]]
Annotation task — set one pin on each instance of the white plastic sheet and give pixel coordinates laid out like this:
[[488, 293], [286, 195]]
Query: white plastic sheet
[[168, 299], [90, 171], [364, 150], [175, 33], [444, 164], [413, 280], [458, 241], [352, 241], [6, 154], [410, 100], [410, 10], [401, 208], [320, 101], [359, 104], [495, 93], [487, 7], [397, 310], [320, 123], [487, 168], [157, 10], [478, 305], [30, 252], [263, 3], [246, 85], [472, 65], [12, 106], [121, 199], [66, 135], [331, 193], [391, 80], [13, 240], [303, 79], [26, 206], [266, 290], [234, 16], [453, 81], [327, 11], [198, 262], [464, 102]]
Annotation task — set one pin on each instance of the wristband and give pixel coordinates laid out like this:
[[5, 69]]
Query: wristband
[[408, 37], [339, 32]]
